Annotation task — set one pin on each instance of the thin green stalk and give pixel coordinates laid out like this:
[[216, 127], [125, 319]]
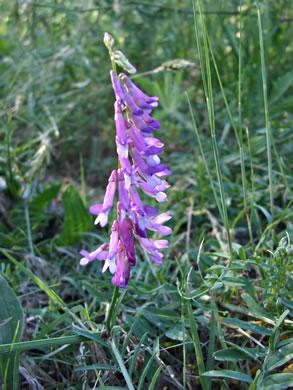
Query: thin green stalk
[[109, 321], [183, 333], [193, 329], [28, 228], [45, 343], [242, 162], [203, 158], [222, 194], [268, 127], [210, 106], [251, 179]]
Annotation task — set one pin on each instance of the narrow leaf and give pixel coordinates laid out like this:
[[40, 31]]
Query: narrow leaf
[[229, 374]]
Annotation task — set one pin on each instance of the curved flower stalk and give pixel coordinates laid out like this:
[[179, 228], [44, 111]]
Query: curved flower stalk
[[140, 169]]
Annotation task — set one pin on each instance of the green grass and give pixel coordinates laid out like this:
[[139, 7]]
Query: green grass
[[218, 312]]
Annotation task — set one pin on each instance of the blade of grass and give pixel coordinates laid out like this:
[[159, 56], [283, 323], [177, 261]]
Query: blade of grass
[[122, 366], [45, 343], [210, 107], [155, 377], [203, 157], [267, 121], [136, 353], [147, 367]]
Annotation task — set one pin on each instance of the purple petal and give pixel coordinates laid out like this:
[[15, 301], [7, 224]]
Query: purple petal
[[125, 164], [113, 245], [151, 150], [156, 169], [162, 218], [122, 272], [139, 161], [120, 124], [153, 160], [161, 244], [110, 192], [150, 211], [117, 87], [127, 239], [135, 197], [96, 209], [140, 98], [161, 197], [157, 257], [150, 121], [165, 172], [134, 110], [93, 255], [137, 139], [123, 193]]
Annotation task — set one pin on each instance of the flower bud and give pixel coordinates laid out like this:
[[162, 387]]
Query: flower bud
[[122, 61], [108, 40]]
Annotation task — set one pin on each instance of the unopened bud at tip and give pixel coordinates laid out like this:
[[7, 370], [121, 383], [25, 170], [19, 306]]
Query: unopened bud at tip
[[108, 40]]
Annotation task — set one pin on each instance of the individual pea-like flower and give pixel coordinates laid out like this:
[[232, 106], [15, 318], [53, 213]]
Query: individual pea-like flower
[[140, 170]]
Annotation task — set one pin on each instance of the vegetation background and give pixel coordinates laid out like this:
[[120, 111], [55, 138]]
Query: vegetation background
[[213, 315]]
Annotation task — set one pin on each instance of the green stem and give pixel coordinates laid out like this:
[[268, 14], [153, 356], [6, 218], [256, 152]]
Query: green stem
[[222, 195], [210, 106], [203, 157], [109, 322], [265, 97]]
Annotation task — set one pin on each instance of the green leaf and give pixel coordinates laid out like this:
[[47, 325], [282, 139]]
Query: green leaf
[[147, 366], [254, 328], [155, 377], [277, 382], [281, 86], [136, 353], [275, 336], [282, 356], [247, 351], [228, 374], [122, 366], [176, 333], [232, 355], [255, 308], [11, 319], [42, 200], [91, 336], [97, 367], [77, 217], [230, 281], [197, 346]]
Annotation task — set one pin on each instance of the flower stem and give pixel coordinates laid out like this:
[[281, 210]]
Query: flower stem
[[109, 322]]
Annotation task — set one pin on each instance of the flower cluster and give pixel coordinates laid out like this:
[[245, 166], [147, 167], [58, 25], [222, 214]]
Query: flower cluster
[[139, 168]]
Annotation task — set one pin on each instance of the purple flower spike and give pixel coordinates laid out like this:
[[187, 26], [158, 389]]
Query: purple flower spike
[[140, 169], [108, 200]]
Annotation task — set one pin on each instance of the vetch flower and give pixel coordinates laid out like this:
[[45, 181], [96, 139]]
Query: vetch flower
[[102, 210], [140, 170]]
